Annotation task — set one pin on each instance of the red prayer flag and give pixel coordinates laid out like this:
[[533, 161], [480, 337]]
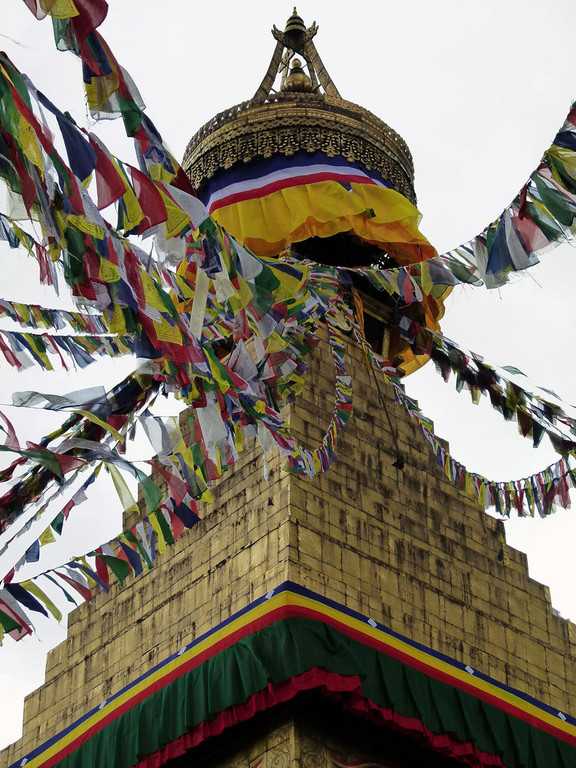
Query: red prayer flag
[[109, 184], [149, 198], [102, 568], [83, 590]]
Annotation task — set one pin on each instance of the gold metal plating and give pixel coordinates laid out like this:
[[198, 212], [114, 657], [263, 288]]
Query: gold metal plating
[[293, 120], [286, 123]]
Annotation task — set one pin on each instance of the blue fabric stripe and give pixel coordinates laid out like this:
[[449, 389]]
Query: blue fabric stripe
[[259, 168]]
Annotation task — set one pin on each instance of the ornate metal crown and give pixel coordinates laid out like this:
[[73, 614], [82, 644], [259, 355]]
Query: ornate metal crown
[[306, 114]]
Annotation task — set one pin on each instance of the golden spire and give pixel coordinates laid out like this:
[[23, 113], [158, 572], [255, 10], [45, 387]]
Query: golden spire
[[295, 26], [305, 113], [296, 39]]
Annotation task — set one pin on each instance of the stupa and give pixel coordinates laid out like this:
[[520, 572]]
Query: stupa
[[368, 616]]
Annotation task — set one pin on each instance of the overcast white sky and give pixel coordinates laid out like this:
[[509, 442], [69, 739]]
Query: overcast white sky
[[477, 90]]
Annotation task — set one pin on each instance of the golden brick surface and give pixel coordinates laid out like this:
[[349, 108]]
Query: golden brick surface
[[403, 546]]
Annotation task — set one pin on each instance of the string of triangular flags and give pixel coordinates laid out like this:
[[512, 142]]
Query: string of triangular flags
[[197, 460], [143, 205], [22, 350], [540, 493], [38, 318], [129, 553], [536, 414], [137, 547], [204, 485], [540, 217], [202, 461], [310, 463], [96, 430]]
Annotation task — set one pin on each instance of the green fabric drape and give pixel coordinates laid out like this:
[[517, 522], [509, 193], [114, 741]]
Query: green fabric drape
[[291, 647]]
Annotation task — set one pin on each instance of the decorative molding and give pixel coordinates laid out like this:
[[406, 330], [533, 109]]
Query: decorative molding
[[287, 123], [312, 752], [279, 756]]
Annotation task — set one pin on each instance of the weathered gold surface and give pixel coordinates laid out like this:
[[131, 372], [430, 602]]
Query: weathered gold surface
[[294, 120], [297, 81], [286, 123], [295, 24]]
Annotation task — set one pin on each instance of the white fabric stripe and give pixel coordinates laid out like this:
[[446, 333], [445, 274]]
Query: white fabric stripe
[[289, 173]]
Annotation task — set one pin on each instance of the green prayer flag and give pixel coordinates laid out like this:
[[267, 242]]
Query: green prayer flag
[[164, 527], [8, 622], [119, 567]]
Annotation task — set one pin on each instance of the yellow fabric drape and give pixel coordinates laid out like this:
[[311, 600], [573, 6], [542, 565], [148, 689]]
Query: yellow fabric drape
[[375, 214]]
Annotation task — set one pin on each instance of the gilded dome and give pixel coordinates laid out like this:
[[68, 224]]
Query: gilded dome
[[298, 118]]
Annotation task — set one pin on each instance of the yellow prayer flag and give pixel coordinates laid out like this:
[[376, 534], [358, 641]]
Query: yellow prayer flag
[[184, 286], [22, 310], [29, 143], [82, 223], [115, 323], [160, 540], [37, 316], [238, 438], [276, 343], [150, 288], [176, 218], [124, 494], [482, 493], [35, 590], [243, 296], [47, 537], [99, 90], [22, 238], [95, 420], [568, 160], [425, 279], [59, 9], [207, 497], [167, 332], [217, 374]]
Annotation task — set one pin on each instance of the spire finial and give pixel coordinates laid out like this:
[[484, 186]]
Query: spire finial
[[296, 38], [295, 25]]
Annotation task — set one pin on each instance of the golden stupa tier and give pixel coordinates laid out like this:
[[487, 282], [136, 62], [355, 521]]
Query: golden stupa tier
[[287, 123]]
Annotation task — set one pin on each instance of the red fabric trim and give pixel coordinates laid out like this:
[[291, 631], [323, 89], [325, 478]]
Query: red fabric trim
[[431, 671], [158, 685], [346, 690]]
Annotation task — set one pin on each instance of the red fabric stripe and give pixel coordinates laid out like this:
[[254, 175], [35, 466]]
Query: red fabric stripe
[[158, 685], [274, 186]]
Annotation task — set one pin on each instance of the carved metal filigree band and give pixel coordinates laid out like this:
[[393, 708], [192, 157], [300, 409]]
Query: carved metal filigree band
[[292, 123]]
